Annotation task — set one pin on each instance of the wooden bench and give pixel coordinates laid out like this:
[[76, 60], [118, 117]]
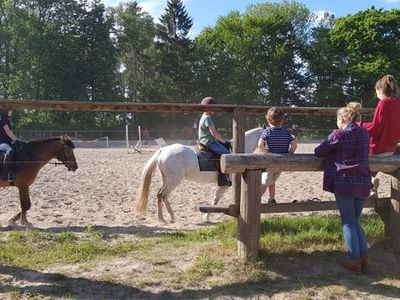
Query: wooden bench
[[250, 166]]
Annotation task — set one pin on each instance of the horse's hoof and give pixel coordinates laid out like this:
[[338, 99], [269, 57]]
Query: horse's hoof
[[26, 224], [206, 218], [172, 221], [162, 220]]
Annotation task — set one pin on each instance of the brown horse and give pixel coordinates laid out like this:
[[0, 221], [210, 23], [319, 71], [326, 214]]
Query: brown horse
[[36, 154]]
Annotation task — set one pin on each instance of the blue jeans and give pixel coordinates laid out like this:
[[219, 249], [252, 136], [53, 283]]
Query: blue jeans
[[354, 237], [217, 147], [6, 148]]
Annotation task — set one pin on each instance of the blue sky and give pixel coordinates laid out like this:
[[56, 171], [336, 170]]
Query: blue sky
[[206, 12]]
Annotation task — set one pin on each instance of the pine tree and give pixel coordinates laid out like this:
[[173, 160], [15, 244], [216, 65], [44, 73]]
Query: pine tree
[[175, 51]]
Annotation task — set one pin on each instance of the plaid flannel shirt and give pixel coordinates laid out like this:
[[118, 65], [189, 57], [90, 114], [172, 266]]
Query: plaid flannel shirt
[[346, 169]]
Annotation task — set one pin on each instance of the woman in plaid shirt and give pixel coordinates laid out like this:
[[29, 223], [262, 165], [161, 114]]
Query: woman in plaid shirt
[[347, 175]]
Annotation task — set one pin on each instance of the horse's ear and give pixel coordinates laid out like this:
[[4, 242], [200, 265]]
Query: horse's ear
[[67, 141], [64, 138]]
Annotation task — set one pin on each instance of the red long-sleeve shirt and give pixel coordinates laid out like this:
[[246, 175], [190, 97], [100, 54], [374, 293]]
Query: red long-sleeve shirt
[[384, 130]]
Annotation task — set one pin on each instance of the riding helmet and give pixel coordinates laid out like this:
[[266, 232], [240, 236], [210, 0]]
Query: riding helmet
[[208, 101]]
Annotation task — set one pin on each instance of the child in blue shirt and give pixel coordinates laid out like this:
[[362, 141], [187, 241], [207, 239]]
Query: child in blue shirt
[[274, 139]]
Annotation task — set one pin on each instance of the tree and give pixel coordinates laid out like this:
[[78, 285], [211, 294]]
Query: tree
[[370, 41], [175, 52], [135, 33], [325, 66], [258, 55]]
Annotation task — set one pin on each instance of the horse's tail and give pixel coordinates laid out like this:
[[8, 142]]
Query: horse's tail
[[143, 191]]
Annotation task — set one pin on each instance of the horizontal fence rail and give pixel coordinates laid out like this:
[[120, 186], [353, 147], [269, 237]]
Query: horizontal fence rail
[[238, 163], [162, 107]]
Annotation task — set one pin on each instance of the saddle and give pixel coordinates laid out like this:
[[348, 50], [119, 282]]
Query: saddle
[[210, 161], [12, 163]]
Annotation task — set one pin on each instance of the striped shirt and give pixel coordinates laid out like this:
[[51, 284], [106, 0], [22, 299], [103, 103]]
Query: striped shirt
[[277, 139]]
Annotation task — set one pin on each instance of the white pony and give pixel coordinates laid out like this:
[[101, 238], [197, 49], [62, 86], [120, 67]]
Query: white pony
[[177, 162]]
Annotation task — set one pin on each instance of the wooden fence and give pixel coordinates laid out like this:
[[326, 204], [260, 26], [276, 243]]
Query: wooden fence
[[246, 188], [238, 115], [248, 211]]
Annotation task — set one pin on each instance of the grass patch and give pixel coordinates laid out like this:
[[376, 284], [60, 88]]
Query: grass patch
[[37, 249], [201, 263], [322, 231]]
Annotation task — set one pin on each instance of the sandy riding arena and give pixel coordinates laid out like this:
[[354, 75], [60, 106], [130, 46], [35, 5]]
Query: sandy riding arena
[[102, 193]]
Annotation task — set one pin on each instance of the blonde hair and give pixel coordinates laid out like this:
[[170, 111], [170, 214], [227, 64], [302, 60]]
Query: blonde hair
[[388, 86], [275, 116], [350, 113]]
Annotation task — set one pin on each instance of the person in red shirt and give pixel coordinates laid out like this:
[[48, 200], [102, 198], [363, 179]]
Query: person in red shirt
[[384, 130]]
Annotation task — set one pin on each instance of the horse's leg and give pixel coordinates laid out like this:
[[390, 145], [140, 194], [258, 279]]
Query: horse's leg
[[169, 184], [14, 219], [218, 195], [25, 204]]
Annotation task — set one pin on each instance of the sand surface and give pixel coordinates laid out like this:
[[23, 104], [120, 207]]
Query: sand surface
[[102, 193]]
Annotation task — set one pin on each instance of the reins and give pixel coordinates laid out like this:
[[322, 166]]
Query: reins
[[55, 163]]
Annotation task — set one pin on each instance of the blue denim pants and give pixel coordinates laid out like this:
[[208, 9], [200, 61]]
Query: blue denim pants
[[6, 148], [218, 148], [354, 237]]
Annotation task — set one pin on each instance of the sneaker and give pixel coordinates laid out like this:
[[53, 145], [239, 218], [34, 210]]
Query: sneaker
[[271, 200]]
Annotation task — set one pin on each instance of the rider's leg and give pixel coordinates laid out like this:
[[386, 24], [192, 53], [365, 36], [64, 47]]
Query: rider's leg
[[8, 159]]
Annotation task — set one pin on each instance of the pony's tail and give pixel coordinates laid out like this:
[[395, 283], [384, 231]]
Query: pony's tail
[[143, 191]]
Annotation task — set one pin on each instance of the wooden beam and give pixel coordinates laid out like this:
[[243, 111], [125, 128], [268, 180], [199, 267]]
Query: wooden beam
[[238, 147], [161, 107], [237, 163], [249, 219], [290, 207], [394, 213]]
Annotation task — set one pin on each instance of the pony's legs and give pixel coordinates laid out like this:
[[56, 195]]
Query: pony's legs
[[14, 219], [218, 195], [25, 206], [168, 186]]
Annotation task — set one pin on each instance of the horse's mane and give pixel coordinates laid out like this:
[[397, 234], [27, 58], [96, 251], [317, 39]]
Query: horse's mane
[[252, 130], [64, 139]]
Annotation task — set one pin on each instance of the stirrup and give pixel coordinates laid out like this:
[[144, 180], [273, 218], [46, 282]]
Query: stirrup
[[10, 176]]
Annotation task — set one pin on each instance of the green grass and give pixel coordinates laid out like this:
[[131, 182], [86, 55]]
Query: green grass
[[297, 259], [37, 249]]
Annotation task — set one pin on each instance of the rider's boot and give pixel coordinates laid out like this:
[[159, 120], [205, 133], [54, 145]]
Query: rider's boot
[[8, 174]]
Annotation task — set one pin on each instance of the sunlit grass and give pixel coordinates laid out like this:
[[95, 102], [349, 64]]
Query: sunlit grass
[[37, 249]]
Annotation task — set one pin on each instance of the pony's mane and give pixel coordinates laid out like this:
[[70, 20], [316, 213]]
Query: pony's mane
[[252, 130], [64, 139]]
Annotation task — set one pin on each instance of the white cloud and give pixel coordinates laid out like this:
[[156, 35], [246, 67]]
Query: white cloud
[[108, 3], [321, 17], [153, 7]]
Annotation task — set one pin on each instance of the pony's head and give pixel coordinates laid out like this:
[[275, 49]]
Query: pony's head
[[251, 139], [66, 153]]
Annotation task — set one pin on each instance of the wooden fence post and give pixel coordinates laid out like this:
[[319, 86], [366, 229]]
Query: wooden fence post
[[249, 219], [394, 230], [238, 147]]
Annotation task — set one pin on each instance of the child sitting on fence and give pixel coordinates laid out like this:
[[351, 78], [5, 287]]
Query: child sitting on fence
[[384, 130], [347, 175], [274, 139]]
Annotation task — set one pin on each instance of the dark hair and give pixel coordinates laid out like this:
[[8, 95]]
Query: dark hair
[[208, 101], [388, 86], [275, 116]]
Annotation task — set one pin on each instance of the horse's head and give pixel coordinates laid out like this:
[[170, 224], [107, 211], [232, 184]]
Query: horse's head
[[66, 154], [251, 139]]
